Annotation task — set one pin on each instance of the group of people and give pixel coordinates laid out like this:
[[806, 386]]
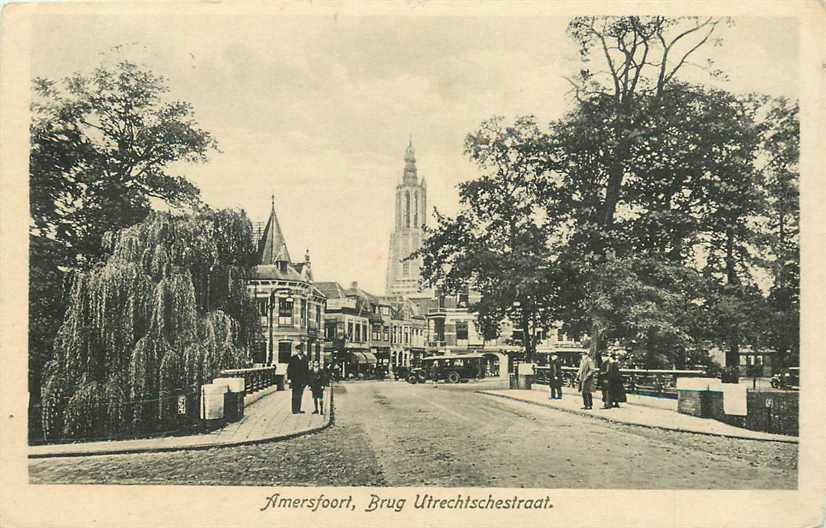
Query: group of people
[[613, 390], [301, 374]]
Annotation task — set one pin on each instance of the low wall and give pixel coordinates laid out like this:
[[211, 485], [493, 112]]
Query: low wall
[[703, 403], [773, 411]]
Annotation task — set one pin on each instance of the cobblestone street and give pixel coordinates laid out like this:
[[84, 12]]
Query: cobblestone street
[[395, 434]]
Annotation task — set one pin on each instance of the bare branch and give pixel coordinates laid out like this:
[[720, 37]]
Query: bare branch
[[689, 52]]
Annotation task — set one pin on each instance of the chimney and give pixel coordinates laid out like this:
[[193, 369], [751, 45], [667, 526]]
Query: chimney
[[354, 285]]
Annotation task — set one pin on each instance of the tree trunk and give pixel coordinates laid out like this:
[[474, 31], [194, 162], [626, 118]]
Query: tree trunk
[[526, 337], [733, 349], [598, 344]]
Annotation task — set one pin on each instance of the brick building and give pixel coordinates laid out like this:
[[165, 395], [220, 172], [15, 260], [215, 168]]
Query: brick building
[[290, 307]]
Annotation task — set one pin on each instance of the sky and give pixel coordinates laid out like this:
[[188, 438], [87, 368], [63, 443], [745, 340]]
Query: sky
[[319, 109]]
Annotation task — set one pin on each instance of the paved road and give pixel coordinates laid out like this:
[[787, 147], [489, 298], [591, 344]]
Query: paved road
[[395, 434]]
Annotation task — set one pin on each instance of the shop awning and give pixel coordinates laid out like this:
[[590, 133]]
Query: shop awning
[[367, 358]]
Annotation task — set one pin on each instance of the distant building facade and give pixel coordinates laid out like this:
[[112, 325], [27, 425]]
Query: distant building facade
[[402, 279], [290, 307], [366, 334]]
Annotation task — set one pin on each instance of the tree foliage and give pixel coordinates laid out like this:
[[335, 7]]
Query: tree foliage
[[103, 148], [167, 309], [665, 202], [499, 244]]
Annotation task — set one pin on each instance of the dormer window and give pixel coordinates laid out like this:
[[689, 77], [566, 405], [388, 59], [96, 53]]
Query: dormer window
[[282, 266]]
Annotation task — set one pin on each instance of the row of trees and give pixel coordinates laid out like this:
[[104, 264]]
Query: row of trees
[[125, 302], [657, 213]]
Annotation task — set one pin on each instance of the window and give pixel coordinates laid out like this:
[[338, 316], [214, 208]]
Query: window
[[387, 333], [358, 332], [350, 331], [463, 299], [439, 329], [407, 209], [303, 312], [415, 209], [318, 314], [461, 329], [376, 333], [262, 307], [285, 349], [285, 311], [405, 269]]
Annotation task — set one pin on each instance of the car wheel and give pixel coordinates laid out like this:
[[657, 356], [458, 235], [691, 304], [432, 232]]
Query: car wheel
[[453, 377], [412, 379]]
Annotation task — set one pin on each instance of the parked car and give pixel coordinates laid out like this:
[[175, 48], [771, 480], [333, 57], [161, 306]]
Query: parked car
[[452, 369], [788, 379]]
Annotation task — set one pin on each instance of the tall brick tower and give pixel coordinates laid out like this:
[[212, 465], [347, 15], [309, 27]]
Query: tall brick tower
[[408, 231]]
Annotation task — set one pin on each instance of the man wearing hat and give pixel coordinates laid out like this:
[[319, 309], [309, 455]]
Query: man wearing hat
[[298, 372], [555, 378]]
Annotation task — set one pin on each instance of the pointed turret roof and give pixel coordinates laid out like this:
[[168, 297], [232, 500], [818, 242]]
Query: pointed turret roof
[[273, 244]]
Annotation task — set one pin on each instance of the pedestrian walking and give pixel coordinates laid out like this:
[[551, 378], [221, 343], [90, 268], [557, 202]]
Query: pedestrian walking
[[298, 374], [585, 378], [603, 382], [555, 378], [318, 380], [616, 389]]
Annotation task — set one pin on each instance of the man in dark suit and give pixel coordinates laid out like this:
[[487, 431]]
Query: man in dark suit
[[298, 372], [555, 378]]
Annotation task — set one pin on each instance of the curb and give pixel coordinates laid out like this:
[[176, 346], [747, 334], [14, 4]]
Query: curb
[[660, 427], [193, 447]]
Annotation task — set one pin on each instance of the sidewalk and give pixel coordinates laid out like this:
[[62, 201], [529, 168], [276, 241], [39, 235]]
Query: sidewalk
[[647, 415], [267, 418]]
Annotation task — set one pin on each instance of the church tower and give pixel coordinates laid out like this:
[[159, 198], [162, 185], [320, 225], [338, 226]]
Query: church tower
[[408, 231]]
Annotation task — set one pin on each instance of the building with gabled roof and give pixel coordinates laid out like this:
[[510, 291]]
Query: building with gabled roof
[[290, 307]]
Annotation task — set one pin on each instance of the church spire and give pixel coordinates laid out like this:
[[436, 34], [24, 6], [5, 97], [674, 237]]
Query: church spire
[[410, 173]]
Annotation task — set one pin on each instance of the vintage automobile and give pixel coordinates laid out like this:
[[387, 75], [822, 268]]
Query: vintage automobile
[[788, 379], [453, 369]]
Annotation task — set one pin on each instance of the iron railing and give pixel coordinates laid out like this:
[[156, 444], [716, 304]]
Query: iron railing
[[176, 413], [255, 378], [648, 382]]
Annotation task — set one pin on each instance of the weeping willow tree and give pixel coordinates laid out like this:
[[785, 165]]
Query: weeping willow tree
[[166, 310]]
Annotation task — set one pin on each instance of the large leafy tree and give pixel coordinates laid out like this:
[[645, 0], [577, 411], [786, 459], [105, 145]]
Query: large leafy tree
[[167, 309], [103, 147], [500, 243], [618, 151]]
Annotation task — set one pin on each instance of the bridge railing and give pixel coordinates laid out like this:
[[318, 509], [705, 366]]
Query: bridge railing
[[255, 378], [651, 382]]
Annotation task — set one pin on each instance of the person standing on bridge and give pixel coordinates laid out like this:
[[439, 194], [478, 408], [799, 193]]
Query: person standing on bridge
[[585, 377], [298, 374], [318, 380]]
